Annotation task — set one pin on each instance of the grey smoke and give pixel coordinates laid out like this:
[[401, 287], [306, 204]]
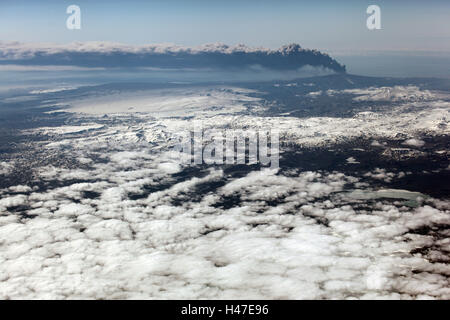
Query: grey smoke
[[214, 56]]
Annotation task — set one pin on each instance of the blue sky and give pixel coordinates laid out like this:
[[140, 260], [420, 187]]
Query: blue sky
[[334, 26]]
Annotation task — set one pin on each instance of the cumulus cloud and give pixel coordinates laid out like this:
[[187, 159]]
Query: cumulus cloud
[[351, 160], [376, 143], [414, 143], [5, 167], [216, 56], [381, 174], [299, 237]]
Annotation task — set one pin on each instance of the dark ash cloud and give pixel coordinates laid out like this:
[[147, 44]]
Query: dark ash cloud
[[215, 56]]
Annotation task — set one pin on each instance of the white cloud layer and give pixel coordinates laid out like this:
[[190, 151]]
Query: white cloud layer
[[313, 244]]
